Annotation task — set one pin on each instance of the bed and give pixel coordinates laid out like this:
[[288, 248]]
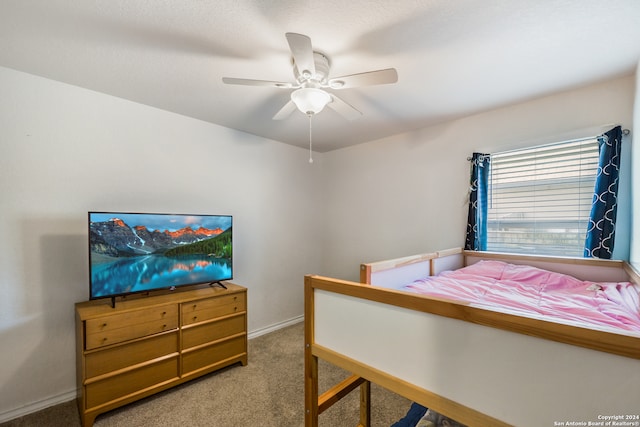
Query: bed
[[474, 361]]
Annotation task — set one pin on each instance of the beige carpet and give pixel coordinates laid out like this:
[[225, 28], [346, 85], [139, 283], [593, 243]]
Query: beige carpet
[[268, 392]]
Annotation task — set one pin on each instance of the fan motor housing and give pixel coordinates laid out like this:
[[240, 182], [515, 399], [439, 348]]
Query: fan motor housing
[[322, 65]]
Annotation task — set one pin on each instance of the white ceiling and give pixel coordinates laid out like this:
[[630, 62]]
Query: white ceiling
[[453, 57]]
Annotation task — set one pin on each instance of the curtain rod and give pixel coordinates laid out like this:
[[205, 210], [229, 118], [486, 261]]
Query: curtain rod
[[625, 132]]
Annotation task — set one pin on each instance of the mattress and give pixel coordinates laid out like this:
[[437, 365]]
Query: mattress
[[533, 292]]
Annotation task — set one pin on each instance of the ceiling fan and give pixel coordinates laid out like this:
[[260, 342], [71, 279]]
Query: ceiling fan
[[311, 73]]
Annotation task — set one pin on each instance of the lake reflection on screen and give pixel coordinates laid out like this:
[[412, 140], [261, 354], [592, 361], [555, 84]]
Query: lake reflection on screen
[[149, 272]]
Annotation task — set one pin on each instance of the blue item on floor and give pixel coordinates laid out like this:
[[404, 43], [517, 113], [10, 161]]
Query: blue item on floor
[[415, 413]]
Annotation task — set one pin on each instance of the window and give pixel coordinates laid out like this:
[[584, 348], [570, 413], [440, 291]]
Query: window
[[540, 198]]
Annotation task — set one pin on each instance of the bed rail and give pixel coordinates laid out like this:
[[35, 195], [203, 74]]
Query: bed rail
[[364, 374], [395, 272]]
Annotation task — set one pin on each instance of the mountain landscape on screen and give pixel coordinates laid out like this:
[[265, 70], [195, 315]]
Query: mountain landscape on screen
[[115, 238]]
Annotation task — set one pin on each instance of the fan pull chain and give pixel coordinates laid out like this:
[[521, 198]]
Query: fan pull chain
[[310, 140]]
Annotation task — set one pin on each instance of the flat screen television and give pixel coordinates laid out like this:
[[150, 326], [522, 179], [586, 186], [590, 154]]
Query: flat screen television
[[142, 252]]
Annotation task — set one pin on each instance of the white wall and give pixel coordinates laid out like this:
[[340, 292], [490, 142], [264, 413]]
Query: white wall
[[635, 196], [65, 151], [407, 194]]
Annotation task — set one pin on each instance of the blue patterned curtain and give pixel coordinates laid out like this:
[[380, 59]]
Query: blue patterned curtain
[[602, 221], [477, 220]]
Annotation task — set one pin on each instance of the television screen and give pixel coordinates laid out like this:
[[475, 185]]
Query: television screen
[[141, 252]]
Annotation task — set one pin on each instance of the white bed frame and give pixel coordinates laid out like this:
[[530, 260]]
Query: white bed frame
[[479, 367]]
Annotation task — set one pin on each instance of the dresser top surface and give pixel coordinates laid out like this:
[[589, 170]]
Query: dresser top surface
[[102, 307]]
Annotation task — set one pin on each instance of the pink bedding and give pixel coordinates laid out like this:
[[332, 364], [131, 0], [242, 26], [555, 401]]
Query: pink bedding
[[526, 290]]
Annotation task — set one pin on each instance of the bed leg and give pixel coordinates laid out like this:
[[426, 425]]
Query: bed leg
[[310, 361], [365, 404], [311, 391]]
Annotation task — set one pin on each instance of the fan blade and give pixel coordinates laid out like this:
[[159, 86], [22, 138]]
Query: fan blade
[[344, 109], [285, 111], [302, 53], [379, 77], [250, 82]]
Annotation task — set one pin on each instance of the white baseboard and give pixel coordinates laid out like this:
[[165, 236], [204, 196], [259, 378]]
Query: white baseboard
[[37, 406], [71, 395], [272, 328]]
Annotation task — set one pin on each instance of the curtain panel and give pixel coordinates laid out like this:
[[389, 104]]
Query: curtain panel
[[602, 221], [476, 238]]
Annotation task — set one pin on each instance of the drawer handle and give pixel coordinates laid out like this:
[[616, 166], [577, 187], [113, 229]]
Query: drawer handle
[[235, 308], [194, 318], [104, 339], [164, 313], [104, 325], [194, 306]]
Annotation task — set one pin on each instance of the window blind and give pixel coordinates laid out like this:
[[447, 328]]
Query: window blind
[[540, 198]]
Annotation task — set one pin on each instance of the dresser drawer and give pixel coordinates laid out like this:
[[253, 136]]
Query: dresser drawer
[[130, 325], [204, 357], [211, 308], [127, 383], [198, 334], [117, 357]]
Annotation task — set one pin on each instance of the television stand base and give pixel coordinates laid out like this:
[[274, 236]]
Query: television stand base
[[219, 283]]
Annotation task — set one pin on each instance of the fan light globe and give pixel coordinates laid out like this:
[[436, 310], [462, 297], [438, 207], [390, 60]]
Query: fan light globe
[[310, 100]]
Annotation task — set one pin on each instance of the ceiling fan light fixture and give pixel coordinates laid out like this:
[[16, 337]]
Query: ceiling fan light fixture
[[310, 100]]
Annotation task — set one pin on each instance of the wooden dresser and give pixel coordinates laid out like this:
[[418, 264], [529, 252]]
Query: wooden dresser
[[147, 344]]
